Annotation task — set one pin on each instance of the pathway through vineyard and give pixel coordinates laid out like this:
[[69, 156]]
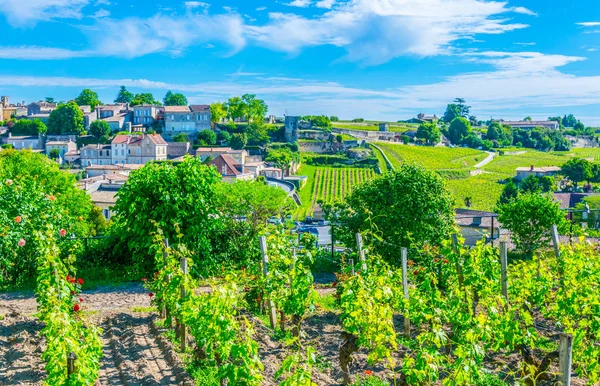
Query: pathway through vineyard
[[135, 353]]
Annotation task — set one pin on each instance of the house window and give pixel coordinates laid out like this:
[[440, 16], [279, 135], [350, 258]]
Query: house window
[[106, 214], [172, 117], [146, 112], [188, 117], [100, 162], [85, 153], [223, 170]]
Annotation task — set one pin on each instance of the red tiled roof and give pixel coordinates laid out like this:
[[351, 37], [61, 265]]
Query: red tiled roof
[[200, 108], [177, 109], [229, 161]]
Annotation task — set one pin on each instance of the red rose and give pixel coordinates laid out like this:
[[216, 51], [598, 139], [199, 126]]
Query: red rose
[[368, 372], [21, 243], [151, 294], [18, 219], [76, 307], [144, 279], [334, 284], [416, 272], [436, 260], [63, 232], [445, 261], [72, 292], [81, 299], [80, 280]]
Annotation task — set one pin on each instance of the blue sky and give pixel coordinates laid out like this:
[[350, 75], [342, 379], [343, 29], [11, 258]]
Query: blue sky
[[377, 59]]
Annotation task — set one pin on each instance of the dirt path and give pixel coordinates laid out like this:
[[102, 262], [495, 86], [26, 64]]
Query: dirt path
[[134, 351]]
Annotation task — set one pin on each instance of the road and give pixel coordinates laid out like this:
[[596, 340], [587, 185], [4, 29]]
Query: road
[[487, 160]]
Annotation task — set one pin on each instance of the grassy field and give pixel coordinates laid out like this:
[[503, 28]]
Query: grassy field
[[434, 158], [586, 153], [328, 185], [484, 190], [505, 165], [368, 126]]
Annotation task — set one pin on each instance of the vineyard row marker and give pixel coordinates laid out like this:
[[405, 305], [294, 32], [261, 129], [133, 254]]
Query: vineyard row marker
[[361, 252], [265, 262], [405, 287], [504, 269], [184, 269]]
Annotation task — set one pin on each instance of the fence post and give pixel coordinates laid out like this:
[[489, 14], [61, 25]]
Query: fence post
[[361, 252], [555, 241], [566, 356], [351, 261], [504, 269], [183, 333], [164, 313], [405, 287], [265, 262], [71, 364], [459, 272]]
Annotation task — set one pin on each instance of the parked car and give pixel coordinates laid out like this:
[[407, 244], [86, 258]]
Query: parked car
[[308, 220]]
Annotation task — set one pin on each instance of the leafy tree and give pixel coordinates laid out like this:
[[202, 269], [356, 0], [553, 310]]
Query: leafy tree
[[578, 170], [527, 119], [235, 108], [144, 99], [333, 118], [509, 192], [257, 134], [207, 137], [28, 127], [66, 119], [529, 217], [358, 120], [181, 137], [282, 157], [579, 126], [254, 109], [238, 141], [557, 119], [537, 184], [429, 132], [100, 129], [409, 207], [88, 97], [452, 112], [320, 121], [124, 96], [179, 200], [569, 121], [174, 99], [223, 136], [218, 111], [49, 100], [54, 154], [458, 130]]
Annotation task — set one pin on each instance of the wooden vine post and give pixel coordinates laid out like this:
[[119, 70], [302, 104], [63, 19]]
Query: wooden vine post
[[556, 245], [265, 262], [566, 358], [351, 262], [504, 269], [164, 311], [405, 288], [459, 272], [71, 364], [183, 330], [361, 252]]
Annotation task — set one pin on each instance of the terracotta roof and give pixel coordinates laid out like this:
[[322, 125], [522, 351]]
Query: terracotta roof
[[529, 123], [229, 161], [200, 108], [157, 139], [177, 109], [115, 118], [115, 107], [104, 196]]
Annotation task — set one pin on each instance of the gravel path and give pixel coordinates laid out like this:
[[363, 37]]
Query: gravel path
[[134, 351]]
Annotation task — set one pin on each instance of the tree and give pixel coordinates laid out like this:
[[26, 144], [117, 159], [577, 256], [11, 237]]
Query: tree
[[409, 207], [509, 192], [527, 119], [579, 126], [257, 134], [218, 112], [100, 129], [569, 121], [28, 127], [529, 217], [144, 99], [88, 97], [282, 157], [578, 170], [66, 119], [238, 141], [178, 200], [254, 109], [536, 184], [429, 132], [174, 99], [458, 130], [452, 112], [333, 118], [207, 137], [223, 136], [557, 119], [181, 137], [49, 100], [235, 108], [54, 154], [124, 96]]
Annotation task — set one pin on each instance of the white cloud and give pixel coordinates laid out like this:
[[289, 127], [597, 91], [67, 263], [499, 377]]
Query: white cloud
[[261, 8], [163, 33], [40, 53], [525, 44], [589, 24], [21, 13], [327, 4], [524, 11], [375, 31], [101, 13], [196, 4], [592, 49], [299, 3]]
